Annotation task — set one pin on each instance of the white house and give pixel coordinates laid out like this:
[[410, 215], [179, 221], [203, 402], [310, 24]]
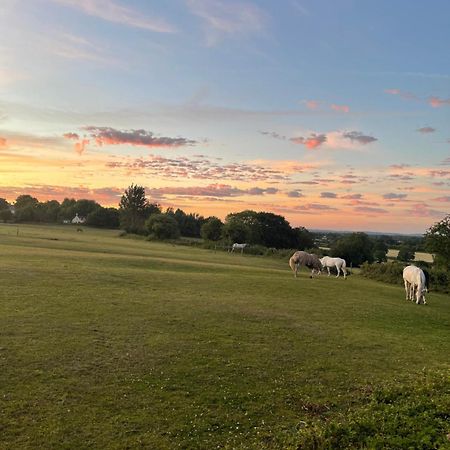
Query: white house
[[77, 219]]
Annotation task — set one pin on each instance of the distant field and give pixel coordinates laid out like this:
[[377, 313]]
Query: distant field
[[107, 342], [419, 256]]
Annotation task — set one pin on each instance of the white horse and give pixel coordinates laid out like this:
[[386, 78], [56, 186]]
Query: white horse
[[415, 284], [237, 246], [339, 263]]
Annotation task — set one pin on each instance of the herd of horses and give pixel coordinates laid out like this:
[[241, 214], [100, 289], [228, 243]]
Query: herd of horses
[[415, 279]]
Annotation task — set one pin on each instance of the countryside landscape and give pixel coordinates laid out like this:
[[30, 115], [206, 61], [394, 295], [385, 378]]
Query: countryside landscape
[[224, 224]]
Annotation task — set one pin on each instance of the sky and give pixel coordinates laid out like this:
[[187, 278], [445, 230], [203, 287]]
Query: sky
[[332, 113]]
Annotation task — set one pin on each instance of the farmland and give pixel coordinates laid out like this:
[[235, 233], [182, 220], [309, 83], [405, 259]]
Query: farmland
[[110, 342]]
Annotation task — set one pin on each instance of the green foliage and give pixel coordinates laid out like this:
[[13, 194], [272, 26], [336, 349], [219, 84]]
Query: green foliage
[[387, 272], [189, 224], [395, 417], [162, 226], [25, 200], [406, 253], [212, 229], [5, 211], [355, 248], [437, 241], [303, 238], [392, 272], [4, 204], [135, 209], [263, 228], [125, 343], [380, 250], [104, 218]]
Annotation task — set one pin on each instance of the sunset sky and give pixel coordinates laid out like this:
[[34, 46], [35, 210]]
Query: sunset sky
[[332, 113]]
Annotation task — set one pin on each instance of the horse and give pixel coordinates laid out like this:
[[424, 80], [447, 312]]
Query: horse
[[237, 246], [309, 260], [416, 284], [339, 263]]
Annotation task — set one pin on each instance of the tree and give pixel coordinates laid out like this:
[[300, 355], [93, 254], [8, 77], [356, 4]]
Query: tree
[[380, 250], [134, 209], [83, 207], [48, 211], [405, 252], [212, 229], [437, 241], [162, 226], [5, 211], [303, 238], [25, 208], [355, 248], [67, 209], [104, 218]]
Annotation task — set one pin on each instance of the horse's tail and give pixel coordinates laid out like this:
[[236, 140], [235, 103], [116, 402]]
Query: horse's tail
[[427, 279], [292, 263], [344, 263]]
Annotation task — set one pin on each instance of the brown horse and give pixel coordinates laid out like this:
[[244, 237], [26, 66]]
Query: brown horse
[[309, 260]]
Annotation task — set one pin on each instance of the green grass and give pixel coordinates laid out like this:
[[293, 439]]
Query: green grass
[[117, 343]]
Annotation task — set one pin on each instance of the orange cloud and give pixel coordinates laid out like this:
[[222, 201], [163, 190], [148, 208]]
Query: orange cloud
[[437, 102], [81, 146], [2, 142]]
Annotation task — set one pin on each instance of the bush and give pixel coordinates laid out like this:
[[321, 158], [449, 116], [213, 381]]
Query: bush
[[162, 226], [392, 272], [414, 416]]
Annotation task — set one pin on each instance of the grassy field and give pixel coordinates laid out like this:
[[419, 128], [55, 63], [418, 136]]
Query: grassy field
[[418, 256], [108, 342]]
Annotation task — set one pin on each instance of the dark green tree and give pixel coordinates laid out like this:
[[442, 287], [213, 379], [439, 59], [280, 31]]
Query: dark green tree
[[83, 207], [303, 238], [405, 252], [380, 250], [355, 248], [162, 226], [5, 211], [437, 242], [104, 218], [211, 230], [134, 209], [26, 209]]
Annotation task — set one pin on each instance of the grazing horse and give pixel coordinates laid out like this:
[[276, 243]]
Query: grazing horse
[[237, 246], [305, 259], [415, 284], [339, 263]]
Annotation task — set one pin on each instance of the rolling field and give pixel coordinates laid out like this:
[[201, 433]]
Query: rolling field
[[115, 343]]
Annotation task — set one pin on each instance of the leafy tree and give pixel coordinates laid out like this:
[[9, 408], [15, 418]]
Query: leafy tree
[[104, 218], [4, 204], [303, 238], [162, 226], [437, 241], [355, 248], [406, 252], [380, 250], [263, 228], [67, 209], [25, 200], [26, 208], [5, 211], [83, 207], [189, 224], [212, 229], [134, 209], [48, 211], [274, 231]]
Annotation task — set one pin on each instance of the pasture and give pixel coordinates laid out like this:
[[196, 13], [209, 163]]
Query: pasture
[[109, 342]]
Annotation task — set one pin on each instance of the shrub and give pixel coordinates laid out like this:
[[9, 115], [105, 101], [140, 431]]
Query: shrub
[[162, 226]]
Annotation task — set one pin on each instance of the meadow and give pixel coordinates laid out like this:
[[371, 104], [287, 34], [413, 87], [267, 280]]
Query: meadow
[[112, 342]]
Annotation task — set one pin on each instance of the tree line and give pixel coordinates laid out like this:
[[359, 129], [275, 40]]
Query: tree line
[[136, 214]]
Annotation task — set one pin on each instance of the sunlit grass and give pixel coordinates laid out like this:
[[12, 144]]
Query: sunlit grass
[[117, 343]]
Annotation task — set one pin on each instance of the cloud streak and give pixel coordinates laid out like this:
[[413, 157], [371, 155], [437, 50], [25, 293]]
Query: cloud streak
[[114, 12]]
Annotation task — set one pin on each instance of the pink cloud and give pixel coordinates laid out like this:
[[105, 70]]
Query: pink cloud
[[311, 142], [2, 142], [370, 210], [340, 108], [312, 104], [445, 199], [403, 94]]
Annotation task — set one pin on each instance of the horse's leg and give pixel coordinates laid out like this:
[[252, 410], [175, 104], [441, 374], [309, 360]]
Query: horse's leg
[[337, 270], [344, 271], [406, 290], [328, 270]]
